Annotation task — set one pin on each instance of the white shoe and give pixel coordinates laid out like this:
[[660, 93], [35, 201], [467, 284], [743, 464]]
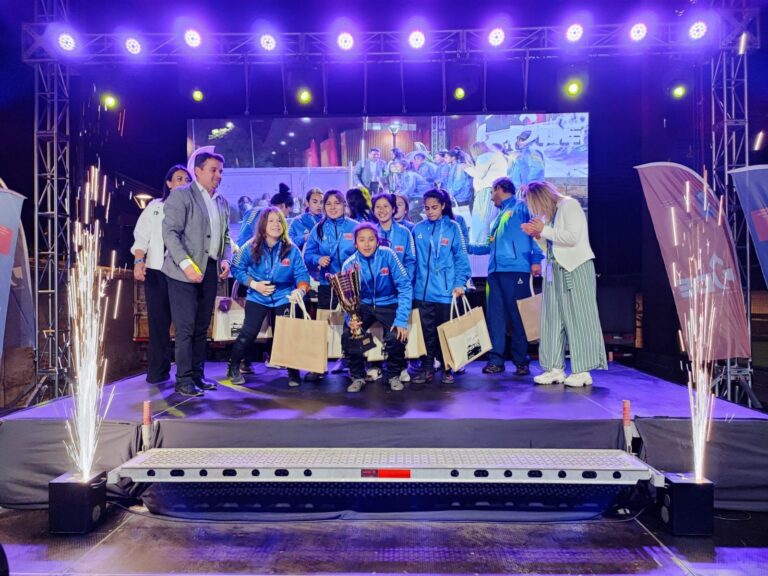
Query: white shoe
[[405, 376], [373, 374], [395, 384], [356, 385], [579, 380], [554, 376]]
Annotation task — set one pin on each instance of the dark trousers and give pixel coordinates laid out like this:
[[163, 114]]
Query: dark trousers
[[394, 349], [159, 323], [432, 315], [504, 290], [324, 292], [191, 310], [254, 318]]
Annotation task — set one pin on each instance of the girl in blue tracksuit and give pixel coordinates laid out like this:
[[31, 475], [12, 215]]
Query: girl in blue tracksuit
[[330, 243], [385, 294], [394, 235], [401, 213], [301, 226], [442, 271], [273, 270]]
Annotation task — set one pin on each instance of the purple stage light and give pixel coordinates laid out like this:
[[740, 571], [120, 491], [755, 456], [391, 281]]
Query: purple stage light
[[268, 42], [496, 37], [345, 41], [697, 30], [192, 38], [133, 46], [67, 42], [638, 32], [574, 32], [417, 39]]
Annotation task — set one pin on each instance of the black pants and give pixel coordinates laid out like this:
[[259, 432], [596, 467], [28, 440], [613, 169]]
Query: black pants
[[159, 323], [432, 315], [254, 318], [324, 297], [394, 349], [191, 310]]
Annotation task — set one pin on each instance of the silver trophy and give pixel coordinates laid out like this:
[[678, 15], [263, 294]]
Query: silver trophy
[[346, 285]]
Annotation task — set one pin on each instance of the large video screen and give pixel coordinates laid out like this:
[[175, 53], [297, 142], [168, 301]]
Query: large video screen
[[461, 154]]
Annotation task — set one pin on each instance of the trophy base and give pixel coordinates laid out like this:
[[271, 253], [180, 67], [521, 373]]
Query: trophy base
[[361, 345]]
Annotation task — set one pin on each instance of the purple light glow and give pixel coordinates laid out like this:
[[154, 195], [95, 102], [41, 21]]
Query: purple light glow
[[345, 41], [638, 32], [192, 38], [697, 30], [417, 39], [67, 42], [133, 46], [574, 32], [268, 42], [496, 37]]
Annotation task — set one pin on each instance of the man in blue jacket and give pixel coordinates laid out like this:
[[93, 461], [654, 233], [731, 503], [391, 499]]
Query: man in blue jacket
[[514, 256]]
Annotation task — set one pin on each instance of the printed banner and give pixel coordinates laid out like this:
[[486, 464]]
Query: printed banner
[[752, 188], [688, 223], [10, 224]]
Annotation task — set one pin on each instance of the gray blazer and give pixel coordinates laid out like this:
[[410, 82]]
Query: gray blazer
[[363, 174], [187, 230]]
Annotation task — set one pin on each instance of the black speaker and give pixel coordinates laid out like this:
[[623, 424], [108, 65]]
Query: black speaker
[[76, 506], [686, 507]]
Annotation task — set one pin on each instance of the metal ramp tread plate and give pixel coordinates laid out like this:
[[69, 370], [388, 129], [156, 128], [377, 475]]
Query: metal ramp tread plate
[[533, 466]]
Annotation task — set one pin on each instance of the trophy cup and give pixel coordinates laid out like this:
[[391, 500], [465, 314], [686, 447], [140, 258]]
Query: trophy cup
[[346, 285]]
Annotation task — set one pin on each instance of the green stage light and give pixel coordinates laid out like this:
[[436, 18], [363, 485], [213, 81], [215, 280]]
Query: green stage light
[[574, 88], [110, 102], [304, 96], [459, 93], [197, 95], [679, 91]]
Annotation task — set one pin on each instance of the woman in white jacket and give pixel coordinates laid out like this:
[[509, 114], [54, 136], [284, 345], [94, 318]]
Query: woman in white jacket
[[149, 251], [490, 165], [569, 309]]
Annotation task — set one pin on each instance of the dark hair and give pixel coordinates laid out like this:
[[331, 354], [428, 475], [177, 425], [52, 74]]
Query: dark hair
[[203, 157], [283, 196], [407, 205], [168, 175], [326, 197], [505, 184], [397, 153], [443, 153], [308, 196], [458, 153], [366, 226], [375, 149], [444, 198], [260, 234], [403, 162], [422, 154], [383, 196], [359, 209]]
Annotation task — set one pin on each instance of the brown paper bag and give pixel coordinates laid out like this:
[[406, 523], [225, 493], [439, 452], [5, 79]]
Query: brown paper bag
[[300, 342], [464, 338], [414, 349], [530, 312], [334, 320]]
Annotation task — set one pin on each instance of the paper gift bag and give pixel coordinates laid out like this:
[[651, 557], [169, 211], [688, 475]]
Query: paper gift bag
[[414, 349], [227, 324], [300, 342], [530, 312], [464, 338], [334, 320]]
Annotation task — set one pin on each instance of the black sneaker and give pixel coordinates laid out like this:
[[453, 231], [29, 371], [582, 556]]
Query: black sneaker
[[313, 377], [422, 377], [246, 368], [523, 370], [447, 377], [188, 389], [493, 369], [234, 376], [205, 384]]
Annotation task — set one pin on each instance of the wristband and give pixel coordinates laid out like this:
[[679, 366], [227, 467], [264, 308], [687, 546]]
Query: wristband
[[138, 260]]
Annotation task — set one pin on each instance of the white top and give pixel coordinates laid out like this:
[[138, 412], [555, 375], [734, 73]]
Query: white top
[[148, 235], [569, 235], [214, 218], [489, 167]]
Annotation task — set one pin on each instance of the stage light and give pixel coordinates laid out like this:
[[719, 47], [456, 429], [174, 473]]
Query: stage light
[[291, 134], [304, 96], [306, 120], [268, 42], [283, 142], [698, 30], [110, 102], [743, 43], [496, 37], [230, 125], [133, 46], [679, 91], [197, 95], [759, 139], [192, 38], [574, 32], [573, 88], [345, 41], [67, 42], [417, 39], [459, 93], [638, 32]]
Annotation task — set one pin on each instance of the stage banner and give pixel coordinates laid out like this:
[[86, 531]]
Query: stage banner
[[752, 188], [689, 223], [10, 224]]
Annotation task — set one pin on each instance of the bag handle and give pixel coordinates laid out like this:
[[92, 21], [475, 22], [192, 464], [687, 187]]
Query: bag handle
[[455, 307], [291, 312]]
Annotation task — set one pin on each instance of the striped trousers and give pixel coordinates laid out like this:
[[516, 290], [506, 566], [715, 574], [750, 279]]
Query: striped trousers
[[569, 312]]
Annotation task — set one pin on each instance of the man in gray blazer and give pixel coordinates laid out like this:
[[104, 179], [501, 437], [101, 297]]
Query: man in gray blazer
[[372, 173], [196, 236]]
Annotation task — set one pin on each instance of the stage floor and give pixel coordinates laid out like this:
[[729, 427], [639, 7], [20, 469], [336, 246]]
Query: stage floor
[[499, 411]]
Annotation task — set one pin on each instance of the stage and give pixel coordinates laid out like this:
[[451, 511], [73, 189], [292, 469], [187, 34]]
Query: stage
[[501, 411]]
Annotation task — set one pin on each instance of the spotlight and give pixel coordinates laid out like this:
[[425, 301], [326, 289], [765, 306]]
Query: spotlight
[[133, 46], [574, 32], [230, 125], [638, 32], [459, 93], [306, 120], [283, 143], [67, 42], [197, 95], [496, 37], [110, 102], [417, 39], [304, 96], [268, 42], [697, 30], [679, 91], [291, 134], [345, 41], [192, 38], [573, 88]]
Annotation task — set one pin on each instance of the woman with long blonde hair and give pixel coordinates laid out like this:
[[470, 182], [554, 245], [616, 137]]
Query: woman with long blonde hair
[[569, 309]]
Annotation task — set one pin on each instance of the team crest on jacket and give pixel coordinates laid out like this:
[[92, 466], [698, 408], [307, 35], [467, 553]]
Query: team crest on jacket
[[444, 241], [385, 271], [400, 249], [347, 235], [285, 262]]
